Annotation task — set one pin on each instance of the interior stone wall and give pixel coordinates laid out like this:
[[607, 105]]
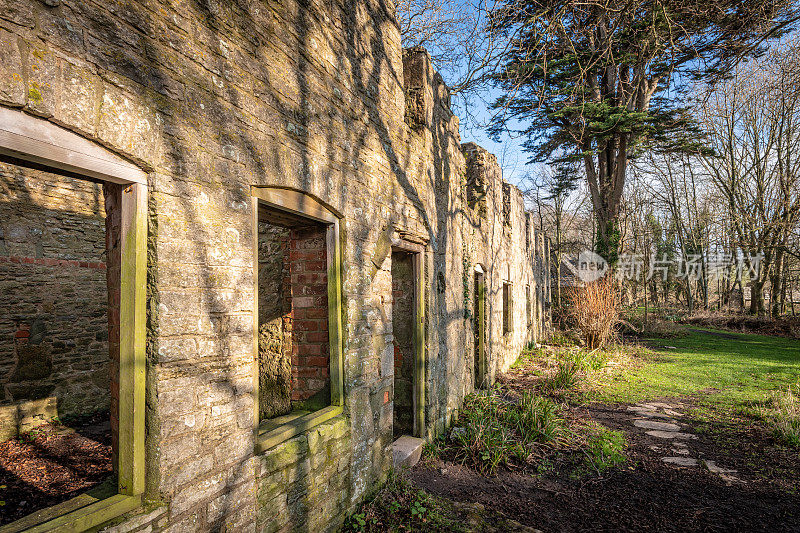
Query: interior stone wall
[[274, 321], [53, 319]]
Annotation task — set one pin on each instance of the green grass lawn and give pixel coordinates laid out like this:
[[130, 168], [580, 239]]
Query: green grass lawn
[[722, 368]]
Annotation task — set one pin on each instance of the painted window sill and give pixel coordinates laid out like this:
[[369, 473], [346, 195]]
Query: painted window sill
[[275, 431], [75, 515]]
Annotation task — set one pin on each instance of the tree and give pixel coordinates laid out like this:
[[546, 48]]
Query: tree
[[553, 193], [589, 80], [454, 33], [753, 124]]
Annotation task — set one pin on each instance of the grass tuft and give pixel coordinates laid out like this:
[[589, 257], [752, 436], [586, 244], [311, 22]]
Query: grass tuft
[[784, 417], [604, 448]]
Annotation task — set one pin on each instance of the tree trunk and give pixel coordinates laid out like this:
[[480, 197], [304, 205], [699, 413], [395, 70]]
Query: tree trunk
[[775, 284], [606, 182], [756, 297]]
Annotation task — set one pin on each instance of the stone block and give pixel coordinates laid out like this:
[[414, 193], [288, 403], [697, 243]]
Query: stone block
[[9, 422], [44, 81], [76, 107], [34, 413], [284, 455], [12, 85], [406, 451]]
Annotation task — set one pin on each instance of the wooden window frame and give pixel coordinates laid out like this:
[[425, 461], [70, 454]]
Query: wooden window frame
[[302, 204], [25, 139]]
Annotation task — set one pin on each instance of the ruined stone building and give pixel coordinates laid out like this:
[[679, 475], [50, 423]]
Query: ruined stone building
[[248, 231]]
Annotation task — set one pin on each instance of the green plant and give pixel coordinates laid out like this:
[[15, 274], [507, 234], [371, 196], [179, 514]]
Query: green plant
[[432, 449], [399, 506], [784, 417], [566, 375], [494, 430], [604, 448], [33, 434], [536, 418]]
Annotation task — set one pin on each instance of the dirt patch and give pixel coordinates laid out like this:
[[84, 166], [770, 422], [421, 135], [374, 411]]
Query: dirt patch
[[644, 494], [53, 464]]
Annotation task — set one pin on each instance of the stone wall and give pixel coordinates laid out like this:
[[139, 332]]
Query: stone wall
[[274, 321], [53, 319], [211, 98]]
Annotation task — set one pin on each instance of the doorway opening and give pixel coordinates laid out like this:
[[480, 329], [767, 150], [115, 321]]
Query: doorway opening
[[479, 327], [407, 324]]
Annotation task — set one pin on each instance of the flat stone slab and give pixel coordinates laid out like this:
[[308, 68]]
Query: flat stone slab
[[643, 411], [652, 424], [716, 469], [671, 435], [406, 451], [680, 461], [680, 451]]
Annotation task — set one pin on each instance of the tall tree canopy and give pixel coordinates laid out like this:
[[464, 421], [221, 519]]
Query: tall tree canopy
[[597, 80]]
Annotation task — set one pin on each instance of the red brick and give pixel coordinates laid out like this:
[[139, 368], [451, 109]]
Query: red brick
[[317, 361], [310, 349], [317, 336], [315, 312], [306, 325], [308, 372]]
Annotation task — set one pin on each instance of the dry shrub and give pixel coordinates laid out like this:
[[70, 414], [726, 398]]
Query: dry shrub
[[595, 309]]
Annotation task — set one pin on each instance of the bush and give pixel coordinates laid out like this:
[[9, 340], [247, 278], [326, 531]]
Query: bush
[[785, 415], [595, 309]]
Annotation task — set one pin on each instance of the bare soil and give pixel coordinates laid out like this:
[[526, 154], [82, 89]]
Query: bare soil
[[644, 493], [53, 464]]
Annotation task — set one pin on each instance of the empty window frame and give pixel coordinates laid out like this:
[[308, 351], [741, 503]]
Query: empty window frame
[[528, 306], [507, 307], [68, 160], [297, 314]]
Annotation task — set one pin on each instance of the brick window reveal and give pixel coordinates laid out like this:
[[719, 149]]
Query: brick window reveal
[[309, 299], [507, 204], [293, 347], [403, 340]]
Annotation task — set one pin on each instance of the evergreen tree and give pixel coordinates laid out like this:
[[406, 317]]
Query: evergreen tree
[[596, 81]]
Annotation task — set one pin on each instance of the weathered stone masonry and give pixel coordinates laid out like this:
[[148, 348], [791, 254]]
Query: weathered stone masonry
[[53, 317], [211, 98]]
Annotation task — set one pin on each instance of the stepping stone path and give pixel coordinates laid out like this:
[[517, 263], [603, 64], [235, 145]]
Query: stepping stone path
[[660, 426], [660, 421]]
